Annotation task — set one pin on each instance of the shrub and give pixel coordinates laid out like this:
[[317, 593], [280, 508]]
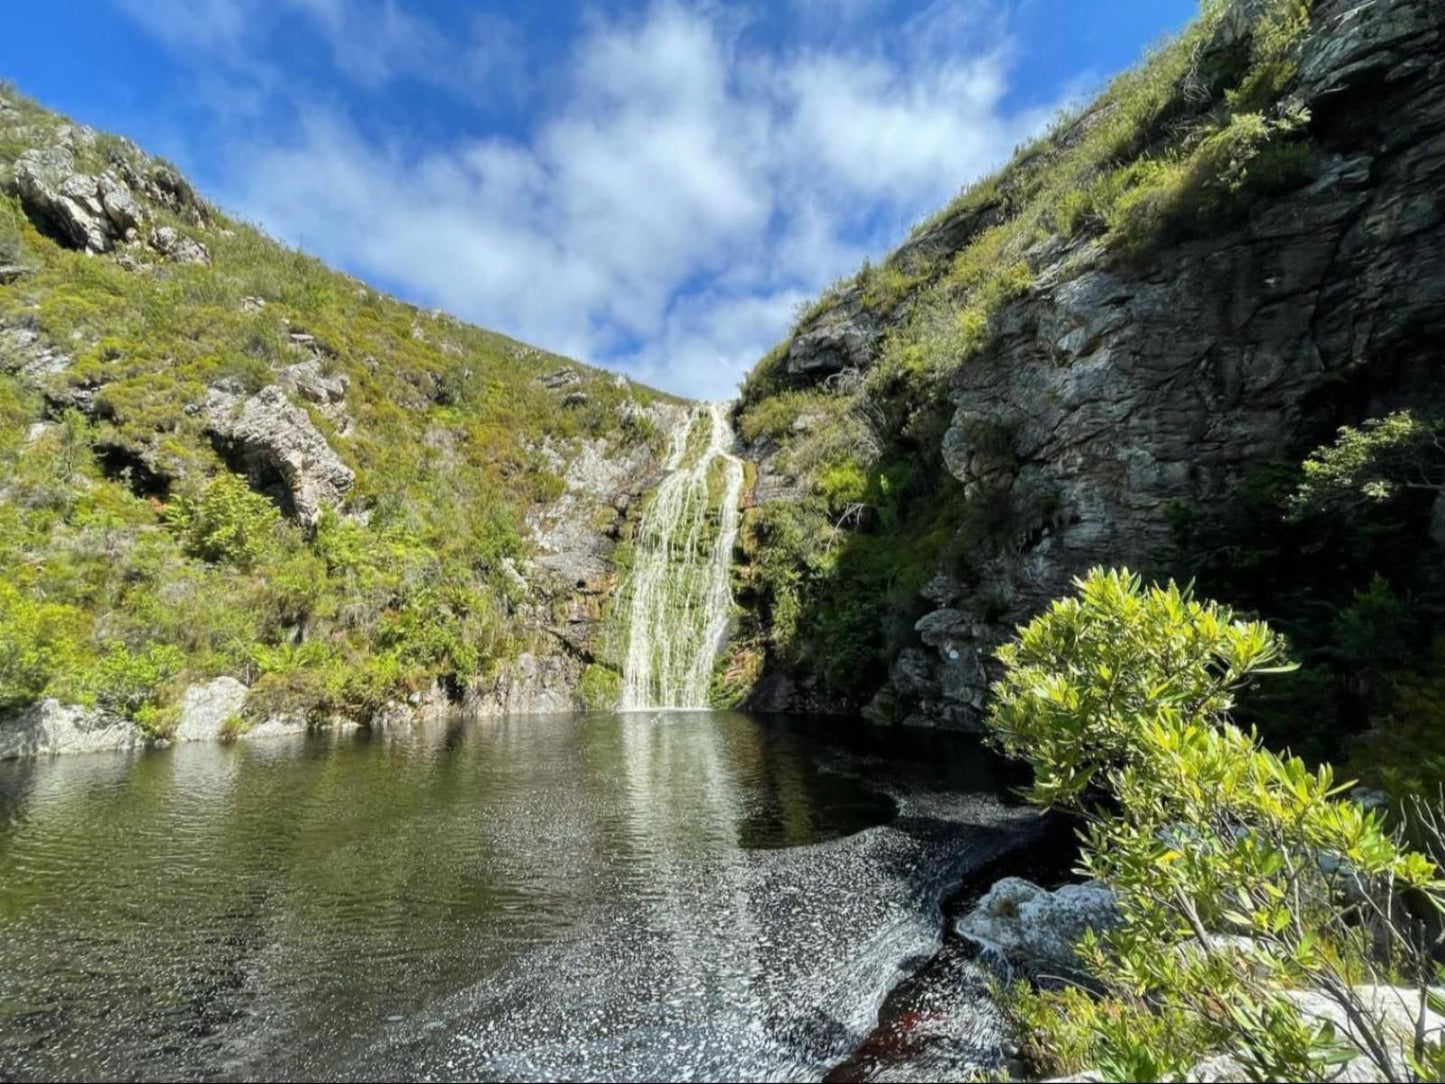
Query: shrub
[[1120, 700], [131, 683], [1372, 464], [38, 642], [227, 523]]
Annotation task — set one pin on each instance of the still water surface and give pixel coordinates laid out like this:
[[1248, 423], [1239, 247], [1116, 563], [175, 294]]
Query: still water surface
[[689, 895]]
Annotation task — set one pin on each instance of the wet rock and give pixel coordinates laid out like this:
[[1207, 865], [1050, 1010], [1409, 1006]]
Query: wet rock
[[274, 443], [206, 708], [276, 726], [912, 672], [51, 728], [1032, 926]]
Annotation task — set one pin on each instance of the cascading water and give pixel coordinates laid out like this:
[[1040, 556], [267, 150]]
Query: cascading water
[[681, 600]]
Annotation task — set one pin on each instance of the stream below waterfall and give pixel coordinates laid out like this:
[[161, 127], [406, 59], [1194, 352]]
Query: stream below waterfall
[[698, 895]]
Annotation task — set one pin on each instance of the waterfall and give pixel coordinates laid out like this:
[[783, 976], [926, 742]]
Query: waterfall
[[681, 599]]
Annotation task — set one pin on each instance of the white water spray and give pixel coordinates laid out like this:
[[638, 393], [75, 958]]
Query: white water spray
[[681, 598]]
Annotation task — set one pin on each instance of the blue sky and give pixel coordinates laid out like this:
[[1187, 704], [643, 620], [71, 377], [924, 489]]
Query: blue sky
[[654, 187]]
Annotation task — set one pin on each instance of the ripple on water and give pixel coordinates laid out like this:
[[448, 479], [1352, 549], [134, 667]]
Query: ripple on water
[[687, 896]]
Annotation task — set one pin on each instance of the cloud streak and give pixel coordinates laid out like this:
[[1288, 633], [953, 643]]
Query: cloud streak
[[684, 189]]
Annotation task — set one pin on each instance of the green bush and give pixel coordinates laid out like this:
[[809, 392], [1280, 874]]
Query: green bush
[[227, 524], [600, 688], [38, 642], [1239, 873], [1373, 463], [127, 681]]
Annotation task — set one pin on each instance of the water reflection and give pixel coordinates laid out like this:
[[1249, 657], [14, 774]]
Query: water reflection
[[533, 896]]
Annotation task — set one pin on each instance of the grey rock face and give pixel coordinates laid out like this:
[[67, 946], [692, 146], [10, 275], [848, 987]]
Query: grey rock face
[[1114, 389], [327, 392], [532, 685], [24, 352], [843, 338], [274, 442], [90, 213], [205, 709], [1035, 927], [50, 728]]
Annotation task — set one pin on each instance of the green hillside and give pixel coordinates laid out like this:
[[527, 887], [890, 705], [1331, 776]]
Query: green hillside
[[153, 531]]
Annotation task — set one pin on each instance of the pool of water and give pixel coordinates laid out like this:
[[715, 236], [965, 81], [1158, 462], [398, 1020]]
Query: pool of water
[[677, 896]]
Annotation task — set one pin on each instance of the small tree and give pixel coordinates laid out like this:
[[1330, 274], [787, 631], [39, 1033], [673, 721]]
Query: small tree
[[1240, 874], [1374, 463], [227, 523]]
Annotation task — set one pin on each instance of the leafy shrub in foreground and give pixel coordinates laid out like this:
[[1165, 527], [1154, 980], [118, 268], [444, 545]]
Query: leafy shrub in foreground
[[1240, 874]]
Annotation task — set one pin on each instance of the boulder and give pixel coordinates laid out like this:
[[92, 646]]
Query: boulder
[[50, 728], [1037, 928], [177, 247], [205, 709], [1393, 1006], [277, 726], [273, 441]]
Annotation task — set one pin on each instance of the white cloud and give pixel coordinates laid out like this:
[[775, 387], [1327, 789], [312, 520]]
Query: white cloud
[[371, 42], [673, 206]]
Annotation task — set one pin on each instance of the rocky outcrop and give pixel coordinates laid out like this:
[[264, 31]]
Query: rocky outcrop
[[177, 247], [1030, 926], [84, 211], [1112, 389], [51, 728], [325, 391], [845, 337], [530, 685], [273, 442]]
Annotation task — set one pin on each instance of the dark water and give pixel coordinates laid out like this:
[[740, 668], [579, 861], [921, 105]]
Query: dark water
[[671, 896]]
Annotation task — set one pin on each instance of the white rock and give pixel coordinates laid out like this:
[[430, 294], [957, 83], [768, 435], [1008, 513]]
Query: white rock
[[50, 728], [205, 709]]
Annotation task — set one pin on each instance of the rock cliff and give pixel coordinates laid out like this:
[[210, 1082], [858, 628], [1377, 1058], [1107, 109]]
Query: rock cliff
[[1124, 379]]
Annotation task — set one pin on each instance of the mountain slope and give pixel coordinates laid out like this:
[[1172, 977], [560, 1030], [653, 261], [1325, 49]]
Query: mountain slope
[[1119, 350], [219, 457]]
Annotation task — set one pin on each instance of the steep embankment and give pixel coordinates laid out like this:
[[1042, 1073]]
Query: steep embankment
[[237, 486], [1118, 350]]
